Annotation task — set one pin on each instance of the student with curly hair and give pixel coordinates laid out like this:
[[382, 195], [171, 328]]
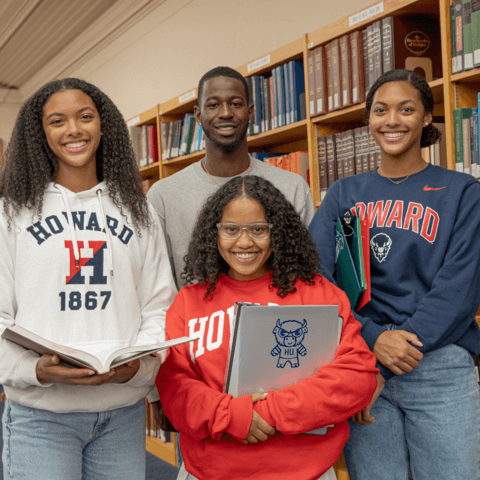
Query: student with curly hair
[[249, 245], [83, 262], [425, 266]]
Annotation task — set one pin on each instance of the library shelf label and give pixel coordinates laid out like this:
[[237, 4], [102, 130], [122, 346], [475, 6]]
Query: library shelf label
[[310, 45], [365, 14], [258, 63], [133, 121], [186, 96]]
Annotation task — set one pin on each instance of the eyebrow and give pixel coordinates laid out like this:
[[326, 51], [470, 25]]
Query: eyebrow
[[401, 103], [62, 114], [215, 97]]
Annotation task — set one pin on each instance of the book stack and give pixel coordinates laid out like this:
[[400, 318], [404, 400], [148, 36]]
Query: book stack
[[145, 144], [279, 98], [152, 428], [356, 151], [467, 157], [296, 162], [181, 137], [345, 154], [341, 72], [465, 34]]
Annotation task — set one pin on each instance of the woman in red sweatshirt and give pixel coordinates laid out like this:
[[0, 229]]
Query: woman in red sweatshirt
[[249, 245]]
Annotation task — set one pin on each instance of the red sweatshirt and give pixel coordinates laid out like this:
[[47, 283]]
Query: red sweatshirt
[[212, 424]]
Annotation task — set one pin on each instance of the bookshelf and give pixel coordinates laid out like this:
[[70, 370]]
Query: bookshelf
[[450, 92]]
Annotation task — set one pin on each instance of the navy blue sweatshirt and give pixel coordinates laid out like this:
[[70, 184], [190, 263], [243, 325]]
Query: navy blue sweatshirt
[[424, 253]]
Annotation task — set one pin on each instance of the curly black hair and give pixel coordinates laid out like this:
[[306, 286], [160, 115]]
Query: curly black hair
[[294, 254], [30, 165], [430, 134]]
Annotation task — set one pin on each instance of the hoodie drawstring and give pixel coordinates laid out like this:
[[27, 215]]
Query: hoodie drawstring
[[107, 231], [71, 226]]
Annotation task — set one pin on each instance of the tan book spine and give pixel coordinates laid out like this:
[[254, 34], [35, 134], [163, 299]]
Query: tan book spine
[[337, 75], [339, 155], [322, 166], [311, 82], [357, 134], [320, 80], [328, 55], [365, 146], [358, 73], [331, 157], [346, 68]]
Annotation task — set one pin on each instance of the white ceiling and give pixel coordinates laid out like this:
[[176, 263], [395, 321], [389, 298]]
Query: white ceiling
[[41, 40]]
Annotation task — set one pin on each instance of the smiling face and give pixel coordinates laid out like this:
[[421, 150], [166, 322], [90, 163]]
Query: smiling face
[[72, 126], [246, 257], [397, 118], [224, 113]]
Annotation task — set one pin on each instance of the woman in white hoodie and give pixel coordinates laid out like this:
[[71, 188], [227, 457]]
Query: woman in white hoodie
[[83, 262]]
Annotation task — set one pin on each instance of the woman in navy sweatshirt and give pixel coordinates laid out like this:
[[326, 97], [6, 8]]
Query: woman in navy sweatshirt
[[424, 419]]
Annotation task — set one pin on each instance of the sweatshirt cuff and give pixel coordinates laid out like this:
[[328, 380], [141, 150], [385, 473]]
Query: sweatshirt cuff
[[241, 413], [370, 332], [147, 372], [386, 372], [27, 370]]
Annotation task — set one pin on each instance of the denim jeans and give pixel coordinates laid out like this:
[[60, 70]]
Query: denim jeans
[[43, 445], [427, 424]]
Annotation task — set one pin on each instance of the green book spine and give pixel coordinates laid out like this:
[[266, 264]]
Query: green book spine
[[475, 29], [452, 38], [467, 35], [459, 114]]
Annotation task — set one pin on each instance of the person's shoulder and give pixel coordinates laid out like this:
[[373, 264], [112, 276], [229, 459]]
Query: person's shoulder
[[452, 176], [171, 183]]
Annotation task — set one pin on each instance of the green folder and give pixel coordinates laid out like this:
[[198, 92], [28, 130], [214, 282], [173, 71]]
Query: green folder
[[349, 267]]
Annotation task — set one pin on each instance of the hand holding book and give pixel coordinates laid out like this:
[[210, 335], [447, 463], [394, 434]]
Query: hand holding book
[[50, 369]]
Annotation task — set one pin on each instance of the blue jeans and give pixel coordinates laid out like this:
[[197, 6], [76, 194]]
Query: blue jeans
[[43, 445], [427, 424]]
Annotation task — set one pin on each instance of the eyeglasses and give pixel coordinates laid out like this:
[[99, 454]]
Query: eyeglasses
[[256, 231]]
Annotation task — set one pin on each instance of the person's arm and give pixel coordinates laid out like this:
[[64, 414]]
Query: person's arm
[[448, 309], [192, 406], [336, 392], [156, 291]]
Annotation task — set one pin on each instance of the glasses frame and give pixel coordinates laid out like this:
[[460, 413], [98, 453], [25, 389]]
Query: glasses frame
[[244, 227]]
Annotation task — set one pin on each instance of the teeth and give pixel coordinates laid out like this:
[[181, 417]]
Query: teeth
[[75, 145], [245, 255], [394, 135]]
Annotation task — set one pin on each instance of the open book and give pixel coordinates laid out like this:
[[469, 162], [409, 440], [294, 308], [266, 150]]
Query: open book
[[80, 358]]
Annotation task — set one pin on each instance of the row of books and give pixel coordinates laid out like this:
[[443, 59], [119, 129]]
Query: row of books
[[145, 144], [279, 99], [341, 72], [152, 428], [181, 137], [296, 162], [465, 34], [467, 142], [356, 151]]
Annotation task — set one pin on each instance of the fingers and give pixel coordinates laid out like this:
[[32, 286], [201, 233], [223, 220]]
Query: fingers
[[258, 396], [411, 337]]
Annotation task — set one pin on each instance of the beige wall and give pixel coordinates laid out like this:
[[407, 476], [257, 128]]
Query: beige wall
[[8, 115], [166, 53]]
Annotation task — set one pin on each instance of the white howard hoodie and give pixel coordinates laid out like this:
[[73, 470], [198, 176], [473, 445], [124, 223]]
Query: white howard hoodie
[[83, 277]]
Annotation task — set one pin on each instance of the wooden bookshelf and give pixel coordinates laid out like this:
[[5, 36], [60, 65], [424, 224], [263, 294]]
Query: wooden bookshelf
[[450, 92], [167, 451]]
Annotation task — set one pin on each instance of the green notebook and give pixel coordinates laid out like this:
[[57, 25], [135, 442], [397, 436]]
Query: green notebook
[[349, 268]]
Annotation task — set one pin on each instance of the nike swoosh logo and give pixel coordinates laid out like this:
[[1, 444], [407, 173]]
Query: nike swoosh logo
[[427, 188]]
